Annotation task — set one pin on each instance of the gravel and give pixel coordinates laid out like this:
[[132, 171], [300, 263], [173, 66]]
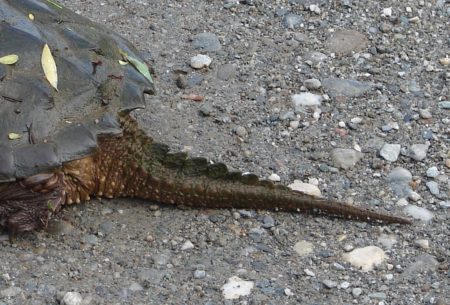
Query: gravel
[[373, 73]]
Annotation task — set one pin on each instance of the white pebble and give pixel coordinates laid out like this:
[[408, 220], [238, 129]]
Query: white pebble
[[365, 258], [356, 120], [188, 245], [419, 213], [387, 11], [200, 61], [236, 287], [305, 99], [274, 178], [422, 243], [342, 124], [414, 196], [432, 172], [309, 273], [306, 188], [303, 248], [288, 292], [72, 298], [402, 202]]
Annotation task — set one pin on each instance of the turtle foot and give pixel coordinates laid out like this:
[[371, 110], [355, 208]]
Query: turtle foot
[[28, 204]]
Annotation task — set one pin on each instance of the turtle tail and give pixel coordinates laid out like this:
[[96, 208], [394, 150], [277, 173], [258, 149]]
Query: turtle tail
[[139, 167]]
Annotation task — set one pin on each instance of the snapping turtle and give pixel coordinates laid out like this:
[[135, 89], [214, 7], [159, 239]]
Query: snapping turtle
[[66, 145]]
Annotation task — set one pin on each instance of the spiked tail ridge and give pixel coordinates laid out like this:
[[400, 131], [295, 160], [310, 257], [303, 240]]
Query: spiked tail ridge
[[173, 178]]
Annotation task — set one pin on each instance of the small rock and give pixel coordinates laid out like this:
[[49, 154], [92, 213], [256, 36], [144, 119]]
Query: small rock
[[390, 152], [312, 84], [199, 274], [10, 292], [378, 296], [309, 273], [236, 287], [444, 105], [288, 292], [72, 298], [200, 61], [419, 213], [346, 42], [336, 87], [241, 132], [305, 99], [207, 42], [188, 245], [414, 196], [417, 152], [303, 248], [274, 178], [356, 292], [90, 239], [344, 285], [432, 172], [329, 284], [306, 188], [135, 287], [365, 258], [292, 21], [423, 263], [425, 114], [422, 243], [433, 187], [268, 222], [226, 72], [345, 158]]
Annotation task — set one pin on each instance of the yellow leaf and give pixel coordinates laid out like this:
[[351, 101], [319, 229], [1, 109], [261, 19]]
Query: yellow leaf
[[123, 63], [31, 17], [49, 66], [14, 136], [9, 59]]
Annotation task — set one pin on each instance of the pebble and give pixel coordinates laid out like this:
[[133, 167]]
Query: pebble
[[274, 178], [312, 84], [241, 132], [305, 99], [292, 21], [303, 248], [444, 105], [414, 196], [378, 296], [72, 298], [236, 287], [365, 258], [344, 285], [356, 292], [188, 245], [336, 87], [444, 204], [10, 292], [329, 284], [135, 287], [199, 274], [309, 273], [90, 239], [402, 202], [421, 265], [356, 120], [226, 72], [422, 243], [417, 152], [432, 172], [208, 42], [346, 42], [345, 158], [268, 222], [399, 179], [206, 109], [419, 213], [433, 187], [425, 114], [338, 267], [390, 152], [306, 188], [200, 61], [288, 292]]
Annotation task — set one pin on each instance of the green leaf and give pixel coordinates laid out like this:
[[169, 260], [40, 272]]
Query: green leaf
[[9, 59], [140, 66], [55, 4]]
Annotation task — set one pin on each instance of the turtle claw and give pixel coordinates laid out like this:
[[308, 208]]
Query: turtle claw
[[23, 209]]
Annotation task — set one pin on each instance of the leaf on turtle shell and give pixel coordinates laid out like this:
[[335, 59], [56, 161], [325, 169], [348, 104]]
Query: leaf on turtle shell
[[14, 136], [123, 63], [140, 66], [31, 16], [54, 3], [9, 59], [49, 66]]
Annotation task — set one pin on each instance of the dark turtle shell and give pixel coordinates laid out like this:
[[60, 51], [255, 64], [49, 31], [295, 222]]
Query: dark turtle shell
[[55, 126]]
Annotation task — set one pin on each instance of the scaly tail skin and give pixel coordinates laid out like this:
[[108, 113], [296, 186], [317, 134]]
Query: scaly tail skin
[[148, 171]]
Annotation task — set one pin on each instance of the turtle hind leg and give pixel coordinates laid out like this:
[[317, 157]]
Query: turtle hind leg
[[28, 204]]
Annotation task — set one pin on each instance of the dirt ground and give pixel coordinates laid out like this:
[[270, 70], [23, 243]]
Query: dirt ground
[[126, 251]]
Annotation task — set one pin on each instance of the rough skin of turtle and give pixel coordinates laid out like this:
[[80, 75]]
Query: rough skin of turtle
[[80, 142]]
